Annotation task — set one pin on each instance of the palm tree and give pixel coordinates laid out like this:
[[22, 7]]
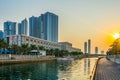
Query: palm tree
[[47, 51], [15, 48], [62, 53], [51, 51], [33, 47], [56, 52], [25, 48], [3, 44], [41, 48]]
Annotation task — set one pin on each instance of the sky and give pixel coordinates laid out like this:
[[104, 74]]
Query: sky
[[79, 20]]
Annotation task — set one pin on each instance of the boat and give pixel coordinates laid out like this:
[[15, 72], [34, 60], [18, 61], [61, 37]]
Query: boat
[[65, 58]]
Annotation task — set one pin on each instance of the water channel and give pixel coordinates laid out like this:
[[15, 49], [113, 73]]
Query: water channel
[[52, 70]]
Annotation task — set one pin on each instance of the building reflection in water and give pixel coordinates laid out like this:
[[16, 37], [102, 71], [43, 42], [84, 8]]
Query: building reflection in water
[[37, 71], [88, 66], [53, 70], [85, 65]]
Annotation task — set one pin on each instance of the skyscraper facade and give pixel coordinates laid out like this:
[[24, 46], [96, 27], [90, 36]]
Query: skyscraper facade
[[9, 28], [50, 27], [89, 46], [85, 47], [33, 26], [96, 50], [44, 26], [1, 34], [19, 28], [23, 27], [40, 27]]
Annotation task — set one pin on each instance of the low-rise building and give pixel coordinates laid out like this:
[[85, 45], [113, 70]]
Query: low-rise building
[[76, 49], [24, 39], [68, 46]]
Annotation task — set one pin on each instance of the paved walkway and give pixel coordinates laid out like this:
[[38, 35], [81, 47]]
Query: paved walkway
[[107, 70]]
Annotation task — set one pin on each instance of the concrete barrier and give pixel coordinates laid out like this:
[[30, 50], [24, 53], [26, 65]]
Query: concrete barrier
[[92, 75], [17, 59]]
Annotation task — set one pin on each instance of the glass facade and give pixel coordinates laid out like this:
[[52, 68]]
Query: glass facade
[[9, 28], [44, 27], [23, 27], [33, 26], [19, 28], [50, 25], [1, 34]]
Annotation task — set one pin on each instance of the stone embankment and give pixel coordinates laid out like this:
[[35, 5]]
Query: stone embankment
[[92, 74], [18, 59]]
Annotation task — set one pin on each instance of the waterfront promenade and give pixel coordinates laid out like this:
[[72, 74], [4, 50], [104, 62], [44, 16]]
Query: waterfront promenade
[[16, 59], [107, 70]]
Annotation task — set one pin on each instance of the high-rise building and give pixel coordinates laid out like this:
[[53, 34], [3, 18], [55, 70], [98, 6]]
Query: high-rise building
[[9, 28], [23, 27], [33, 27], [85, 47], [40, 27], [44, 26], [1, 34], [19, 28], [89, 46], [50, 27], [96, 50]]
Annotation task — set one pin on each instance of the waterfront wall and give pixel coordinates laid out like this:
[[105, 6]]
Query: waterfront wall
[[17, 59], [92, 75], [22, 57]]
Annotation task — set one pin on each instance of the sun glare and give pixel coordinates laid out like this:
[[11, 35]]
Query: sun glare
[[116, 35]]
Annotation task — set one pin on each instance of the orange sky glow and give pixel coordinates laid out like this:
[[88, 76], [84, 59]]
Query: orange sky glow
[[79, 20]]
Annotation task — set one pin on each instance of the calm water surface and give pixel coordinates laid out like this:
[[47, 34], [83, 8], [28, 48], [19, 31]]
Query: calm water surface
[[54, 70]]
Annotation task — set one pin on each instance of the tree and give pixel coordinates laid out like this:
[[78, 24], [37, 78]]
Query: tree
[[51, 51], [63, 53], [41, 48], [115, 48], [56, 52], [25, 48], [48, 52], [76, 53], [15, 48], [33, 47], [3, 44]]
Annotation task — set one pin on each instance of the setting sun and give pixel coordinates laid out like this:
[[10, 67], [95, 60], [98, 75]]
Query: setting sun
[[116, 35]]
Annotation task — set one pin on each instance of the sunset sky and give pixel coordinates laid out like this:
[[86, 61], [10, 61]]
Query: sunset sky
[[79, 20]]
